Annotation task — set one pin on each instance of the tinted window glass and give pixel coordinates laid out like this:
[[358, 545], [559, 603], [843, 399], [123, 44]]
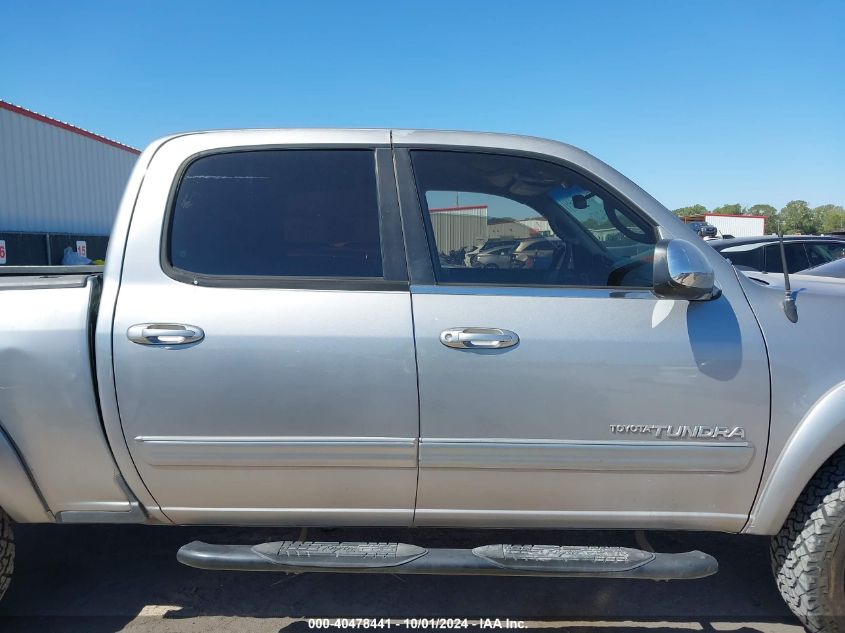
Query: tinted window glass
[[748, 256], [563, 229], [796, 258], [823, 252], [298, 213]]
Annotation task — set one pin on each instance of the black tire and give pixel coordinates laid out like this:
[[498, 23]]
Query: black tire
[[807, 560], [7, 552]]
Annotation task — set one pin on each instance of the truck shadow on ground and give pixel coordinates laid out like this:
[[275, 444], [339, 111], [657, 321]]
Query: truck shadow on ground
[[112, 578]]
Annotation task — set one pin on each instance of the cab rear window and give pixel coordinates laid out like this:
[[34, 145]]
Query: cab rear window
[[278, 213]]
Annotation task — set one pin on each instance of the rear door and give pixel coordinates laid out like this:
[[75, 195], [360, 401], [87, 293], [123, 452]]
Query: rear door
[[566, 394], [263, 355]]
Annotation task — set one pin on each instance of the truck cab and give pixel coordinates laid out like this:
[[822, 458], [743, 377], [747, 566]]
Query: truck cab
[[277, 339], [312, 273]]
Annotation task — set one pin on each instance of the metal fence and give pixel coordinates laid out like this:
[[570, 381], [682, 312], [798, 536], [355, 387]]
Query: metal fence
[[47, 249]]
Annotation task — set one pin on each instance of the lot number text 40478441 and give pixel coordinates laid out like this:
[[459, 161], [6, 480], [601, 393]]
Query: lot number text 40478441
[[415, 623]]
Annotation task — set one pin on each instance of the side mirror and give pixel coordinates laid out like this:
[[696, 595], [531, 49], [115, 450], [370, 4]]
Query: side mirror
[[682, 272]]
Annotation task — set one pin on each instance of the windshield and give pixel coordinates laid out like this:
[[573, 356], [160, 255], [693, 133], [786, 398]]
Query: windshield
[[606, 225]]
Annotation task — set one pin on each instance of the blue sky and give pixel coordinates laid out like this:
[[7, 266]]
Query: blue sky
[[698, 102]]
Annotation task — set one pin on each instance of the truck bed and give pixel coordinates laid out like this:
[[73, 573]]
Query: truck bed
[[48, 400], [42, 277], [40, 282], [48, 271]]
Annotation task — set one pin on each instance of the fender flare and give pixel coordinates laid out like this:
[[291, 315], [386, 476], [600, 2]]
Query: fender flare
[[19, 494], [819, 435]]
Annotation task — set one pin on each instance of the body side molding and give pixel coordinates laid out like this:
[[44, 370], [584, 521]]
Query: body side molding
[[278, 452], [620, 456]]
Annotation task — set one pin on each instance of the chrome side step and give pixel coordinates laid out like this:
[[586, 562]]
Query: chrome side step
[[495, 560]]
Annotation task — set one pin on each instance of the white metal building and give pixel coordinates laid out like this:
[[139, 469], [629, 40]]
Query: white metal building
[[738, 225], [58, 178], [539, 225], [459, 227]]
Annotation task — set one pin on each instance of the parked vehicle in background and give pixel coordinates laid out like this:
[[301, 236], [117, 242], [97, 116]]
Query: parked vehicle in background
[[703, 229], [763, 253], [801, 283], [535, 253], [277, 340], [496, 257], [493, 252], [832, 270]]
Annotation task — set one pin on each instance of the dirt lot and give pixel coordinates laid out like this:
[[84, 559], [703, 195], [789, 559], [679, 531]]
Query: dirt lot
[[96, 579]]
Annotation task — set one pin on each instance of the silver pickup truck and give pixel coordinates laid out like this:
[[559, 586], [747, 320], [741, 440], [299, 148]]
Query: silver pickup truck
[[286, 333]]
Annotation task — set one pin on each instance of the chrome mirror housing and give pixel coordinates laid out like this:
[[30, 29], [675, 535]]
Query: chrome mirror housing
[[682, 272]]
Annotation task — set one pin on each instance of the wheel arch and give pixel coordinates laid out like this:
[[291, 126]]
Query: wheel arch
[[814, 441]]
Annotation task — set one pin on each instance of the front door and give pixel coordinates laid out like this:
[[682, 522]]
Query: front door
[[559, 391], [291, 398]]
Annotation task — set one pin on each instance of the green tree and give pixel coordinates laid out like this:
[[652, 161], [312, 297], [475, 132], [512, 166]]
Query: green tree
[[798, 217], [728, 209], [769, 212], [696, 209], [830, 217]]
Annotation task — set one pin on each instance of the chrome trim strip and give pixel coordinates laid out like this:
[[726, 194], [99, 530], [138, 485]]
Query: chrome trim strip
[[578, 519], [276, 517], [278, 452], [582, 292], [635, 456]]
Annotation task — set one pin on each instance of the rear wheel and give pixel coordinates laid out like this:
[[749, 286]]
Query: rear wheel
[[7, 552], [808, 554]]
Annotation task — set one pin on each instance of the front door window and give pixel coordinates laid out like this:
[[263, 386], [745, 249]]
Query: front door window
[[556, 227]]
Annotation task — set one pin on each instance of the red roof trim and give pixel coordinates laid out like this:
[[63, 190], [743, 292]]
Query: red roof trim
[[732, 215], [467, 208], [5, 105]]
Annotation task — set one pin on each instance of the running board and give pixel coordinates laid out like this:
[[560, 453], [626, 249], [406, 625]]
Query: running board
[[490, 560]]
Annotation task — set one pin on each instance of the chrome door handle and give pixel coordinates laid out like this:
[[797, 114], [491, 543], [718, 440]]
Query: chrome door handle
[[478, 338], [164, 334]]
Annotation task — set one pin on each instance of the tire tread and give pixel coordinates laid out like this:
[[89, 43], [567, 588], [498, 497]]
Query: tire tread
[[7, 552], [802, 552]]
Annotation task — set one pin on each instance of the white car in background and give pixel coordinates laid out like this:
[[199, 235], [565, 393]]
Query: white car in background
[[497, 257], [491, 254]]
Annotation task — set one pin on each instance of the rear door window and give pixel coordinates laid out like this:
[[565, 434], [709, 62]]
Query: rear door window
[[747, 256], [278, 213], [796, 257], [823, 252]]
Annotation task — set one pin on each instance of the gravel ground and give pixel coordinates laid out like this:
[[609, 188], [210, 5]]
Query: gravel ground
[[126, 578]]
